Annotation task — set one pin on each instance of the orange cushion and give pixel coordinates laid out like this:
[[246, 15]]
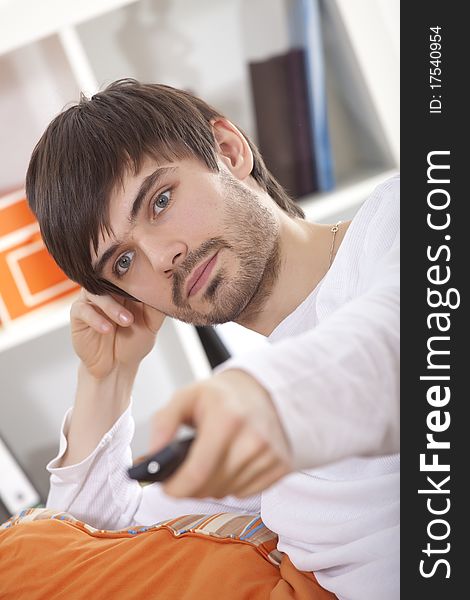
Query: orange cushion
[[235, 558]]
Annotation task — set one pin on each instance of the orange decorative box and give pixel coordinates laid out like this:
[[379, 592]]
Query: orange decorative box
[[29, 277]]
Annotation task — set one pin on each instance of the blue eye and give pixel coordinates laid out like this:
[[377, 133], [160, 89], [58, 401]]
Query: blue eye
[[123, 264], [161, 202]]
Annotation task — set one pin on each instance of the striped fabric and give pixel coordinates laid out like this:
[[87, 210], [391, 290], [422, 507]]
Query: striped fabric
[[243, 528]]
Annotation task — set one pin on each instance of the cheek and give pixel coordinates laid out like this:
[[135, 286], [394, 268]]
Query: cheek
[[151, 294], [200, 221]]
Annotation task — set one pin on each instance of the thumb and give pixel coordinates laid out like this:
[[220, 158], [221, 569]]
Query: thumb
[[167, 421]]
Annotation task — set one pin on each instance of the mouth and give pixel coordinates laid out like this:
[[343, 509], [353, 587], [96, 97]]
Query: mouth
[[200, 276]]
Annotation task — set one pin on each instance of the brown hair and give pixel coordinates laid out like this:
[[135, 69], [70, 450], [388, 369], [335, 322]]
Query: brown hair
[[86, 150]]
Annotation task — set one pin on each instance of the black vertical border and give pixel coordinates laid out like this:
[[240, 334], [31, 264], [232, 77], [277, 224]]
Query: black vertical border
[[421, 133]]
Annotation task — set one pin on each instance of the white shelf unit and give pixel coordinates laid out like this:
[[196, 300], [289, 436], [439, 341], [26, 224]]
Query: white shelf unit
[[27, 21], [53, 49]]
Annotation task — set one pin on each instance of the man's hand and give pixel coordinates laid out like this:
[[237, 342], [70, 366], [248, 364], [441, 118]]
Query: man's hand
[[110, 332], [240, 448]]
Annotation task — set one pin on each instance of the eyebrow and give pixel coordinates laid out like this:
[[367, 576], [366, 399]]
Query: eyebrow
[[147, 184]]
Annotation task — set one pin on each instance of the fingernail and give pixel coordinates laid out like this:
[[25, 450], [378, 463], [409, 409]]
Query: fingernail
[[125, 317], [105, 327]]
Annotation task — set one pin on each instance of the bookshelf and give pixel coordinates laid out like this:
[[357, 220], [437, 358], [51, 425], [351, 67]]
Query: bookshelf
[[51, 50]]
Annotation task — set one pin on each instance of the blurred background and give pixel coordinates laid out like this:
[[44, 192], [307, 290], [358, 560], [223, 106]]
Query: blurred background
[[315, 83]]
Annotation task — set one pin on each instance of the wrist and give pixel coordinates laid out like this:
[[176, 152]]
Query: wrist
[[99, 402], [116, 385]]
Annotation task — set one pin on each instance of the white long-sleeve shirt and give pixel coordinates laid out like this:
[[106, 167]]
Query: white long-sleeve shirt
[[332, 373]]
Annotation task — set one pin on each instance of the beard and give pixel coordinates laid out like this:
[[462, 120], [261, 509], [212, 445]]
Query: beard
[[251, 236]]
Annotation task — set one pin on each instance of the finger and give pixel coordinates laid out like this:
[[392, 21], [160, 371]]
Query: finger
[[206, 457], [260, 482], [85, 314], [247, 455], [244, 451], [111, 308], [253, 473], [246, 472], [166, 422]]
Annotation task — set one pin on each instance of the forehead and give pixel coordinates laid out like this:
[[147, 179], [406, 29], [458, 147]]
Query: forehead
[[125, 190], [122, 197]]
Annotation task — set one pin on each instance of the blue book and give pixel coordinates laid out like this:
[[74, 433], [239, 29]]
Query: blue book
[[305, 31]]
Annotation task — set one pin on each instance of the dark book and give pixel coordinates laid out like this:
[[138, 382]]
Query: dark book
[[283, 120], [215, 349]]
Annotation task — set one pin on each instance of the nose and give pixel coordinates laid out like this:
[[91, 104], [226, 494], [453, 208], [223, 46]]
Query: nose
[[165, 255]]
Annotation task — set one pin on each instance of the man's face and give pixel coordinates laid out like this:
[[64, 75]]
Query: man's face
[[202, 246]]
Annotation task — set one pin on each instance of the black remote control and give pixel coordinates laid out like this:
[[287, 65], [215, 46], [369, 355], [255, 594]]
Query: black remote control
[[162, 464]]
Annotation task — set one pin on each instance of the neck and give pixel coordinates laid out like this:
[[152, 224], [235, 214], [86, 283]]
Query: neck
[[304, 255]]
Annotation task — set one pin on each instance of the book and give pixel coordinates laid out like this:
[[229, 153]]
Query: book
[[305, 31], [214, 347], [283, 121]]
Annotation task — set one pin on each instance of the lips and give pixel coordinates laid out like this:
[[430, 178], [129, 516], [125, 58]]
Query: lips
[[201, 273]]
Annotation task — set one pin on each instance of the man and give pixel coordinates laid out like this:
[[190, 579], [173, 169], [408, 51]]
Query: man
[[145, 192]]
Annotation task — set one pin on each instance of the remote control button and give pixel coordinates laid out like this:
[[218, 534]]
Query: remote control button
[[153, 467]]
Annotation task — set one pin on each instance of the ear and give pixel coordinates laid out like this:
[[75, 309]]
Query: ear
[[232, 148]]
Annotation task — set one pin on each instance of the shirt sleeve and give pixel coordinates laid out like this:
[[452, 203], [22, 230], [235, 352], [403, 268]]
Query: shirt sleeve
[[336, 387], [98, 491]]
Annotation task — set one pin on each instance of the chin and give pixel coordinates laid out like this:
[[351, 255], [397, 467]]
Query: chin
[[214, 317], [204, 321]]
